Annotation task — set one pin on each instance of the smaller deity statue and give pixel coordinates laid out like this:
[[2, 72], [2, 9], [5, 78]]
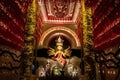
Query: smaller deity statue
[[47, 68], [41, 72], [56, 71]]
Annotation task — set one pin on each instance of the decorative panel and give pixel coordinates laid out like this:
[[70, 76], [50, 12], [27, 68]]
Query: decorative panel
[[9, 63]]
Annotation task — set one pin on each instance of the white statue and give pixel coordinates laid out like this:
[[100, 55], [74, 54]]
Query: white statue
[[41, 71]]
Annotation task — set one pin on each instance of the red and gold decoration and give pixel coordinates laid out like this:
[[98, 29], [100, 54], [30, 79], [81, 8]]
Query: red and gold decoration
[[60, 8], [59, 11], [59, 54], [73, 36]]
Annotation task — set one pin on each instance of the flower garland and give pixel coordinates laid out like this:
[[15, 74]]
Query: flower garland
[[87, 28], [27, 56]]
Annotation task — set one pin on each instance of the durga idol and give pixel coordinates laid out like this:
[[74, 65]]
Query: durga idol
[[59, 54]]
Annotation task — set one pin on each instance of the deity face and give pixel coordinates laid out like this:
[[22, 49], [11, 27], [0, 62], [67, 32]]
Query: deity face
[[59, 48]]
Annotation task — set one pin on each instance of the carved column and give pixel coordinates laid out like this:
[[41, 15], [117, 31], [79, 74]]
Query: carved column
[[27, 56]]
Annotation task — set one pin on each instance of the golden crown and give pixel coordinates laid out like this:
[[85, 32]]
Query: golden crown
[[59, 41]]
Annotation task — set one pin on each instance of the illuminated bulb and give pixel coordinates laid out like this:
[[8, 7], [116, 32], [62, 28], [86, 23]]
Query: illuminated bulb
[[107, 64], [113, 72], [108, 72], [119, 55], [101, 58], [108, 57], [99, 71], [103, 71]]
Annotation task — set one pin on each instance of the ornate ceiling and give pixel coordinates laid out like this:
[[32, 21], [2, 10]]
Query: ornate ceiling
[[60, 11]]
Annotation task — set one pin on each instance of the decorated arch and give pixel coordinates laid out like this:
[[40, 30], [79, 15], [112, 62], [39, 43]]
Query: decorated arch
[[55, 31]]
